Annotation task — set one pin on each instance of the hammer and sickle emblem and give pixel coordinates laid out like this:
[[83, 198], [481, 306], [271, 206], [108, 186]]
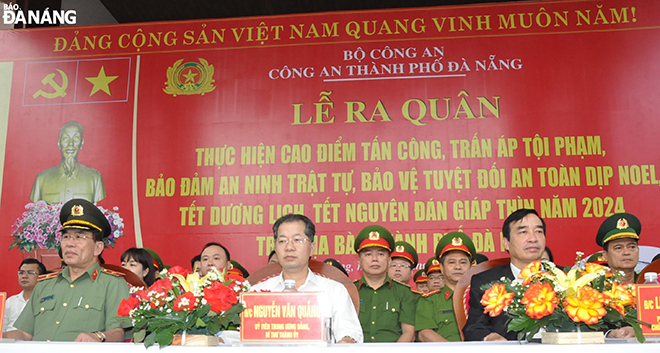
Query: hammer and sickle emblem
[[60, 91]]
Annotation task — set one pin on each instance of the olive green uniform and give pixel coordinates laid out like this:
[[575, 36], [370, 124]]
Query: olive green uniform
[[436, 312], [60, 309], [382, 310]]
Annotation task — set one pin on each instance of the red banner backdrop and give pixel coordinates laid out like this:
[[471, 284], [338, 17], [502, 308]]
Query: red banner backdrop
[[425, 121]]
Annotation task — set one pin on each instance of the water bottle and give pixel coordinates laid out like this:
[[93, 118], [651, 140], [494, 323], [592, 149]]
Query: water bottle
[[650, 278], [290, 285]]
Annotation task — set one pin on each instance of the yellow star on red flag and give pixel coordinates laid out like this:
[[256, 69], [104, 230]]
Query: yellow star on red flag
[[101, 82]]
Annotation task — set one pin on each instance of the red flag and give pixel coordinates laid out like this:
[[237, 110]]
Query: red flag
[[104, 80], [50, 83]]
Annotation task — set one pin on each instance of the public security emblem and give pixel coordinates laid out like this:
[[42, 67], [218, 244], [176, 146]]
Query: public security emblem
[[189, 78], [77, 211], [457, 241], [622, 223], [374, 236], [400, 248]]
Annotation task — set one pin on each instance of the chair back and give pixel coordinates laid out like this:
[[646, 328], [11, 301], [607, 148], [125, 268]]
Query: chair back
[[652, 267], [317, 267], [463, 288]]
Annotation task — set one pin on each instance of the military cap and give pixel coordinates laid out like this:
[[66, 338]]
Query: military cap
[[237, 269], [455, 241], [405, 251], [432, 265], [336, 264], [420, 276], [374, 236], [158, 263], [479, 258], [597, 258], [82, 214], [618, 226]]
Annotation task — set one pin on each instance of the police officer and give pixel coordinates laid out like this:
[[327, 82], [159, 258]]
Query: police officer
[[435, 319], [421, 281], [436, 279], [404, 260], [618, 235], [387, 307], [80, 302]]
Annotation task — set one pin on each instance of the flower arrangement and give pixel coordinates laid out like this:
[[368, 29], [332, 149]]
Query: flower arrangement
[[39, 227], [180, 301], [588, 297]]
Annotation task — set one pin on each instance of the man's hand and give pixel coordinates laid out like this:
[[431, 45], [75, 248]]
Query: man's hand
[[17, 335], [624, 332], [87, 337], [493, 336], [347, 339]]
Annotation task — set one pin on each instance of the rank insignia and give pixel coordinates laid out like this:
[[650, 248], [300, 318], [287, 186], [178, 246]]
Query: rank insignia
[[189, 78], [447, 294], [95, 274]]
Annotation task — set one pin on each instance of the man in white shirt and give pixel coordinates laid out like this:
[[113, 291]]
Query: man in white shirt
[[294, 244], [28, 272]]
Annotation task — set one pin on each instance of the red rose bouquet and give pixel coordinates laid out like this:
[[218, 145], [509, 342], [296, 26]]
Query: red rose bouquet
[[588, 297], [180, 301]]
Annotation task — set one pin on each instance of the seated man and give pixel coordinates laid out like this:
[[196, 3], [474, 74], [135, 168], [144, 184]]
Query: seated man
[[80, 302], [28, 272], [294, 244], [421, 281], [524, 239], [387, 307], [436, 321], [404, 260]]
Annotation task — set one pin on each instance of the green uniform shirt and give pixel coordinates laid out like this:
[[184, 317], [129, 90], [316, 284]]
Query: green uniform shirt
[[436, 312], [60, 309], [382, 310]]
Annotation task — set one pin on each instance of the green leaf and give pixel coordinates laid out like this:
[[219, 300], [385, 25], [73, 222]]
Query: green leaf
[[139, 335], [200, 323], [164, 337], [150, 340]]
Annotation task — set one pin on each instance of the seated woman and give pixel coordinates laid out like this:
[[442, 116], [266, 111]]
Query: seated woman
[[140, 262]]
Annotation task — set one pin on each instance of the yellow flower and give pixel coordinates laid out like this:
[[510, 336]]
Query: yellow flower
[[585, 306], [540, 300], [496, 299], [620, 296], [570, 283]]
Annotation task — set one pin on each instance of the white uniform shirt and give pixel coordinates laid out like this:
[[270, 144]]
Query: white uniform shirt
[[338, 304]]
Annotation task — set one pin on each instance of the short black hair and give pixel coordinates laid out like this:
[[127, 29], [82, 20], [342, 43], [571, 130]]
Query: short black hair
[[517, 216], [28, 261], [144, 258], [271, 254], [215, 244], [310, 230], [195, 259]]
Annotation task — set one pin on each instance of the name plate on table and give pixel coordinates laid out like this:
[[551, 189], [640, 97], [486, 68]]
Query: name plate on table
[[648, 308], [282, 317]]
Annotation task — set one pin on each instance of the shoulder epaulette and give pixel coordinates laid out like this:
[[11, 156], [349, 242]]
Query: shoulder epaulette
[[399, 282], [48, 275], [428, 294], [113, 273]]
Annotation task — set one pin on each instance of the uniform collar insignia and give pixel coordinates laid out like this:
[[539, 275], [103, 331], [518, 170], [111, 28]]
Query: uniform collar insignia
[[447, 294], [95, 274]]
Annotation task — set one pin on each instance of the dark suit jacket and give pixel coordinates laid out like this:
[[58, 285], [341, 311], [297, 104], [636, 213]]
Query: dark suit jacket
[[480, 325]]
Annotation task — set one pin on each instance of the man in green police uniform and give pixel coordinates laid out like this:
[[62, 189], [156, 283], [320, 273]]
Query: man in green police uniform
[[404, 260], [80, 302], [435, 312], [387, 307]]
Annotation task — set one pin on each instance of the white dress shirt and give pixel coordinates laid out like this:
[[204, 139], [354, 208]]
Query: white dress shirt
[[13, 308], [335, 303]]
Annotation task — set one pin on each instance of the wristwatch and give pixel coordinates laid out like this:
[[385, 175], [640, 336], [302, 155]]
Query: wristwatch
[[100, 335]]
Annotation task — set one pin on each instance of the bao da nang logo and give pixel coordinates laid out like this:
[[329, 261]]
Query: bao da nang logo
[[14, 15]]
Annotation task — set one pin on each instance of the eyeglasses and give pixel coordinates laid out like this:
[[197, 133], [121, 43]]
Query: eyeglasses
[[297, 241], [399, 266], [76, 237], [23, 272], [436, 278]]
